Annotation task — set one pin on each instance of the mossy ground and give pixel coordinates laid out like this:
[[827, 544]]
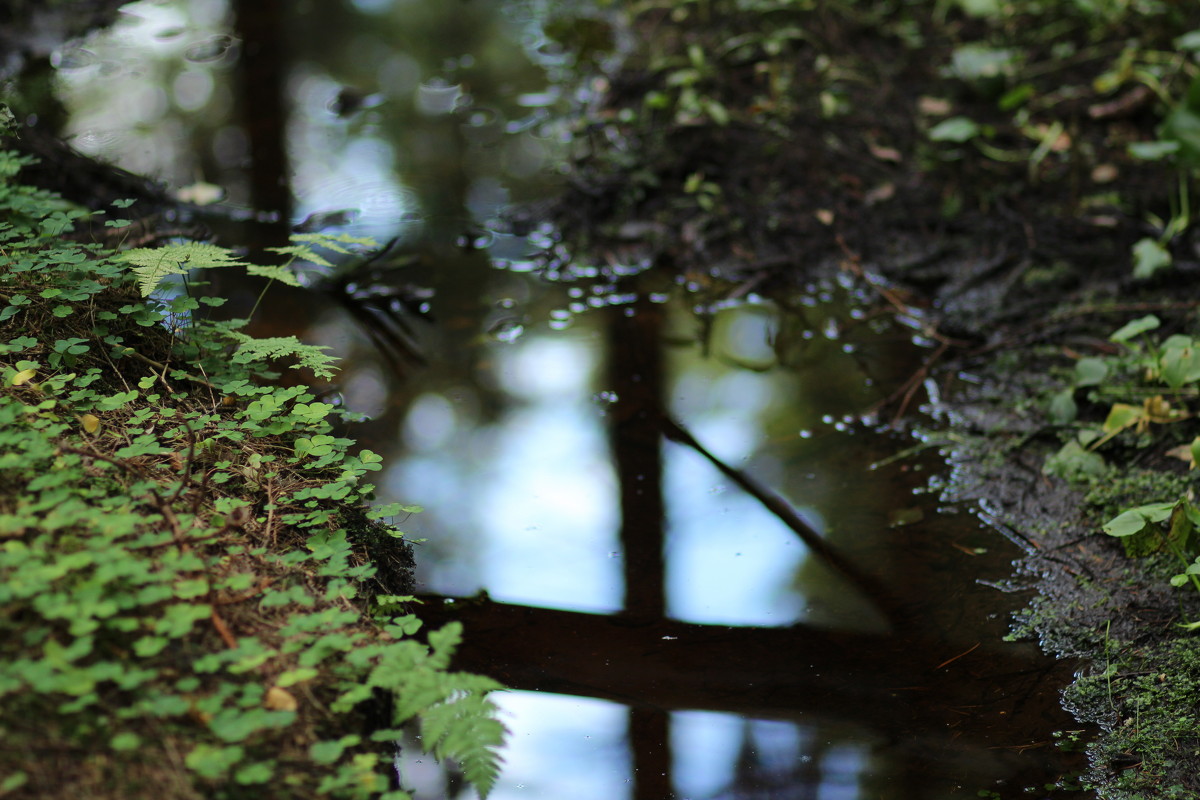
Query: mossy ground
[[196, 598], [1117, 615]]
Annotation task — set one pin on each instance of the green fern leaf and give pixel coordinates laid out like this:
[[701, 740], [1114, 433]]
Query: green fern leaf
[[275, 273], [151, 265], [332, 241], [466, 730], [307, 355], [302, 252]]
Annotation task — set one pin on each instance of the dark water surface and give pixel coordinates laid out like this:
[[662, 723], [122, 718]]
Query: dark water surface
[[666, 629]]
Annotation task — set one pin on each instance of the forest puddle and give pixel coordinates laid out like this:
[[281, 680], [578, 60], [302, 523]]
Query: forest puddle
[[627, 465]]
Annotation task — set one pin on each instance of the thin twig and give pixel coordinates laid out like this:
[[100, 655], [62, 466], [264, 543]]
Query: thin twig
[[223, 630], [948, 661], [129, 351]]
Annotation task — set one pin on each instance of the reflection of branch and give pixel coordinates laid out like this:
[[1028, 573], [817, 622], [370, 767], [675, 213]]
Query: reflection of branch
[[875, 591], [775, 673]]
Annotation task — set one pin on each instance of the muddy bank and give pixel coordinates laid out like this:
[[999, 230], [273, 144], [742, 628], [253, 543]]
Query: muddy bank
[[1118, 615]]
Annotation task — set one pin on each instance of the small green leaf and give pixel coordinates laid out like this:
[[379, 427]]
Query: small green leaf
[[295, 676], [330, 751], [212, 762], [13, 781], [126, 741], [1125, 524], [955, 129], [1179, 366], [259, 772], [1122, 416], [1188, 41], [148, 646], [1062, 407], [1072, 462], [302, 253], [276, 273], [1133, 520], [152, 265], [1090, 371], [236, 725], [1134, 328], [1149, 256], [1153, 151]]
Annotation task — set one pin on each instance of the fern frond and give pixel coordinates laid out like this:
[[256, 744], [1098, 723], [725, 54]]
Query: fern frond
[[466, 730], [302, 252], [275, 273], [151, 265], [332, 241], [308, 355]]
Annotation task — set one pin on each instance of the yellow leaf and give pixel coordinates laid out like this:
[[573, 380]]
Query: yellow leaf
[[91, 423], [23, 377], [1121, 416], [1156, 407], [1183, 453], [280, 700]]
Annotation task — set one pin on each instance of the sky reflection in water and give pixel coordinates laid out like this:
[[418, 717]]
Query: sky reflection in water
[[539, 529], [524, 506]]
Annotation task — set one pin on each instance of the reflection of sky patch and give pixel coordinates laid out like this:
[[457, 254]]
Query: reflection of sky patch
[[562, 747], [541, 515], [372, 6], [841, 768], [547, 499], [705, 748], [546, 505], [559, 747], [549, 370], [728, 559], [430, 423], [358, 175]]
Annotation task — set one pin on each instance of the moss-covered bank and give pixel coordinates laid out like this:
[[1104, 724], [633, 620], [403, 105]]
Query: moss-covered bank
[[196, 597]]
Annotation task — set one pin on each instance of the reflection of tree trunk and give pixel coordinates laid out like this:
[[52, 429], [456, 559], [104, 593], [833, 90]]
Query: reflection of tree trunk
[[261, 26], [650, 743], [635, 374]]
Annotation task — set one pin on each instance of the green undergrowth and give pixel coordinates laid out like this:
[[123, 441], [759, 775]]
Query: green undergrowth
[[1146, 697], [766, 128], [1146, 391], [1130, 442], [196, 598]]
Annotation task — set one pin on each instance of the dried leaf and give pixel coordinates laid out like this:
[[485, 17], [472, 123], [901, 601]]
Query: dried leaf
[[884, 153], [880, 193], [934, 106], [1184, 453], [280, 700]]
